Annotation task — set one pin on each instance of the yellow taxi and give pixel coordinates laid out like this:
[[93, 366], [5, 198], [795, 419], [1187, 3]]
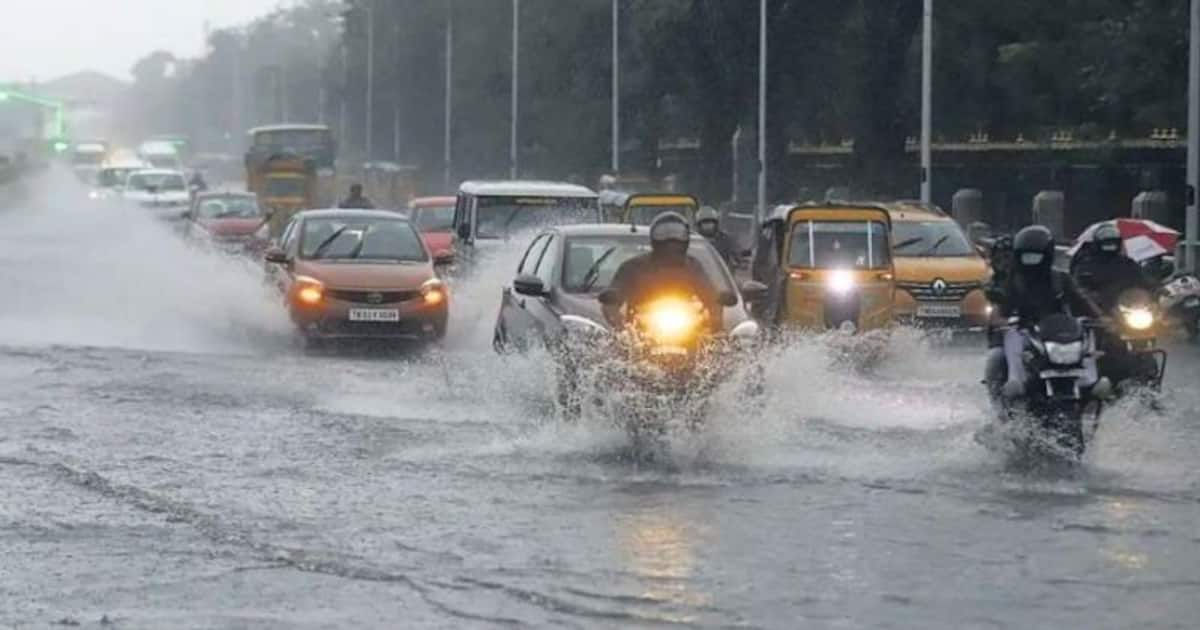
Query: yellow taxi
[[940, 276]]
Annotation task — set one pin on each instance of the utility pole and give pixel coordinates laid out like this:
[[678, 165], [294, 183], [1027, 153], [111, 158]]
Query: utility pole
[[235, 118], [927, 105], [513, 168], [447, 148], [616, 88], [762, 109], [370, 79], [1193, 152]]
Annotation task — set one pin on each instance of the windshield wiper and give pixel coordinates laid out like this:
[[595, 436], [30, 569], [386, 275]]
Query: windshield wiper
[[328, 241], [937, 244], [593, 272], [908, 241]]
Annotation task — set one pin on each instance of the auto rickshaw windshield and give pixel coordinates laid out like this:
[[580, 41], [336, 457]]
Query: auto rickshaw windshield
[[645, 215], [839, 245]]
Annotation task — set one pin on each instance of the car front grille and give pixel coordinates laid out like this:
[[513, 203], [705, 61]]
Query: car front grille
[[373, 297], [925, 291]]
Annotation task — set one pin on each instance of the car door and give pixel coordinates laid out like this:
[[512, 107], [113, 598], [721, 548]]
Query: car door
[[540, 312], [514, 325]]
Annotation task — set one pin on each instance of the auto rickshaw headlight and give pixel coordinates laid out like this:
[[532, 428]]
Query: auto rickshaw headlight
[[670, 320], [841, 281], [1137, 318]]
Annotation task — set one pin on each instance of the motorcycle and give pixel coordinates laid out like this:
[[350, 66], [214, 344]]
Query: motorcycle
[[1131, 355], [1063, 391]]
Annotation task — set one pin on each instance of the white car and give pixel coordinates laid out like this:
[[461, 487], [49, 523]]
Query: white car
[[164, 191], [110, 180]]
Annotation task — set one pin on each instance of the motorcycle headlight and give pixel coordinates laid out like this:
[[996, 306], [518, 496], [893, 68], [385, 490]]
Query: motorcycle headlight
[[1137, 318], [841, 281], [670, 320], [1064, 353]]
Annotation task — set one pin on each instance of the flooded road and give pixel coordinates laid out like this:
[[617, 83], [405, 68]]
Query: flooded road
[[168, 459]]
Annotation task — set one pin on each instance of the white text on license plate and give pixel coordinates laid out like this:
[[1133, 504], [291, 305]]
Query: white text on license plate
[[939, 310], [374, 315]]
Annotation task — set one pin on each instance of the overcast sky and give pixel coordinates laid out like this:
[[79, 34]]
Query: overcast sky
[[46, 39]]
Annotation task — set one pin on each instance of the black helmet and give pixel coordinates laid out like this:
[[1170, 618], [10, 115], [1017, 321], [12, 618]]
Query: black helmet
[[1033, 246], [670, 228], [1107, 239]]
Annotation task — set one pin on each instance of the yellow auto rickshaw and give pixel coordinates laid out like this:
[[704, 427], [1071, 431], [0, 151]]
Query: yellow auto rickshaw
[[642, 208], [827, 267]]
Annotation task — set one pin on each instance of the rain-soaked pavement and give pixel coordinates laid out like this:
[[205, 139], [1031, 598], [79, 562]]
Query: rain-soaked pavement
[[168, 459]]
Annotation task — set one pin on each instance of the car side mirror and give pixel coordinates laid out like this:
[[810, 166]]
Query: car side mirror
[[443, 257], [276, 256], [529, 284], [753, 291], [463, 231], [609, 297], [728, 298]]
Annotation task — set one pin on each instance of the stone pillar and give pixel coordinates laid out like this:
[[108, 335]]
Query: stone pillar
[[966, 206], [1153, 205], [1049, 209]]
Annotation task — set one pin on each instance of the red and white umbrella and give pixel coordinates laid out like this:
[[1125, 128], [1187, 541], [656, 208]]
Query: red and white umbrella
[[1141, 239]]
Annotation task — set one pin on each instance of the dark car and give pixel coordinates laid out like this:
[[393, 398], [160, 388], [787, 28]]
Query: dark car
[[359, 274], [556, 291]]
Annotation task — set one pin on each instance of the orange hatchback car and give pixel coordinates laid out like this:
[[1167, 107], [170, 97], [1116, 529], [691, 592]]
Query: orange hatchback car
[[359, 274]]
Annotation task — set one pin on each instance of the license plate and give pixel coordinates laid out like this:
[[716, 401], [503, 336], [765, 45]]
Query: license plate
[[939, 310], [374, 315], [1061, 374]]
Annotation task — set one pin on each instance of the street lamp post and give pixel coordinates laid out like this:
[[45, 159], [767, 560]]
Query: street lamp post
[[616, 88], [370, 79], [512, 132], [447, 147], [927, 105], [762, 109], [1193, 152]]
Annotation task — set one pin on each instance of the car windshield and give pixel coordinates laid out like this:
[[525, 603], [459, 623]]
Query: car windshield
[[359, 239], [930, 238], [113, 177], [161, 182], [839, 245], [229, 208], [433, 218], [582, 274], [285, 187], [500, 217], [644, 215]]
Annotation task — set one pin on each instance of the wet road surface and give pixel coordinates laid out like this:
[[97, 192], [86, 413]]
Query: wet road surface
[[168, 459]]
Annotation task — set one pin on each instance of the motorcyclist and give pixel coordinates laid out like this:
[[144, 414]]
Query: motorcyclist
[[666, 269], [1101, 269], [196, 183], [356, 199], [1032, 291], [708, 224]]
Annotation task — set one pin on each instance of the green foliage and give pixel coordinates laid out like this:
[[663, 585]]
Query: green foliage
[[839, 70]]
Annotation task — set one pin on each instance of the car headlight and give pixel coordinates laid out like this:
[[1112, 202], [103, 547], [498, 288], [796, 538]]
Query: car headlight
[[670, 321], [309, 291], [1064, 353], [1137, 318], [433, 291], [840, 281]]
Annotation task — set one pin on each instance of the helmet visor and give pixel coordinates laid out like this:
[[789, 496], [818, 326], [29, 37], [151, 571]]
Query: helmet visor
[[1031, 259]]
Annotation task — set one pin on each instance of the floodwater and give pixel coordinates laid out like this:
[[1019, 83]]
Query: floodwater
[[170, 459]]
